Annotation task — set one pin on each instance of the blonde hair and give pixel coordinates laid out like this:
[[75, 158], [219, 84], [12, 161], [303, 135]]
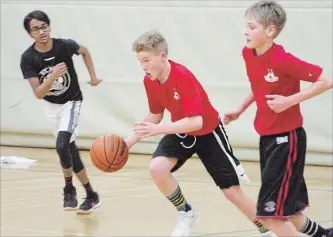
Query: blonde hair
[[151, 41], [268, 13]]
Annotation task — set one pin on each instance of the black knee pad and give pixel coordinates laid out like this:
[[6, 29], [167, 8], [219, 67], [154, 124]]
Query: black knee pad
[[62, 147], [77, 162]]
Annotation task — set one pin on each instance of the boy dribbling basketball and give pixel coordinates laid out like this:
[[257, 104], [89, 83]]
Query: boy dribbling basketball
[[195, 128], [275, 77], [48, 66]]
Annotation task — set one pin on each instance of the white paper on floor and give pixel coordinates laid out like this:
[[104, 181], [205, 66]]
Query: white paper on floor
[[16, 162]]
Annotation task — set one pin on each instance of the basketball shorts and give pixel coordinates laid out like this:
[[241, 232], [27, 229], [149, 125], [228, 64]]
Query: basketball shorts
[[283, 191], [213, 149], [63, 117]]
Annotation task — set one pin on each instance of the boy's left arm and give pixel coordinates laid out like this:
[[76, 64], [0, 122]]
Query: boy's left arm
[[300, 70], [94, 81], [185, 125], [321, 85], [279, 103]]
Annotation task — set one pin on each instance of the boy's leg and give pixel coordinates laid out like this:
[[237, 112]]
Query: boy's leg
[[168, 157], [276, 162], [67, 150], [283, 194], [303, 223], [62, 147], [306, 226], [92, 200], [216, 154], [53, 114]]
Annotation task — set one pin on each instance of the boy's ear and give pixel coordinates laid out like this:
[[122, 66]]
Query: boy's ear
[[271, 30], [164, 56]]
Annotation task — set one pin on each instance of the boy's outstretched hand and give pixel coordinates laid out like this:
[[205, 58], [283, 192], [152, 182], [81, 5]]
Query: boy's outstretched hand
[[94, 81], [231, 116], [146, 129]]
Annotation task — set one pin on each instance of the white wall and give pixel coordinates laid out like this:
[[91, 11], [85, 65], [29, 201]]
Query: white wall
[[205, 36]]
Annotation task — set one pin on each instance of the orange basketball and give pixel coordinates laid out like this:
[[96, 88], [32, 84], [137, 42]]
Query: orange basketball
[[109, 153]]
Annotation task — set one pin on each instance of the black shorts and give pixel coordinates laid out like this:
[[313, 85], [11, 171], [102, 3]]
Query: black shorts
[[283, 191], [214, 151]]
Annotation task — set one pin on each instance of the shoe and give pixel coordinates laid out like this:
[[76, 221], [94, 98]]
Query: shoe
[[70, 200], [90, 203], [185, 221], [268, 234]]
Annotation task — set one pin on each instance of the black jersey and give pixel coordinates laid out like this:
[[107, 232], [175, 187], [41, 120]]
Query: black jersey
[[36, 64]]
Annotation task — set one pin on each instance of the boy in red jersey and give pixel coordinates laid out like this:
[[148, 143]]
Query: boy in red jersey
[[275, 77], [195, 128]]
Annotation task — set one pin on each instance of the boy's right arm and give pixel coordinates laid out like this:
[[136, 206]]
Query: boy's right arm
[[233, 115], [246, 103], [132, 139], [40, 90], [156, 112]]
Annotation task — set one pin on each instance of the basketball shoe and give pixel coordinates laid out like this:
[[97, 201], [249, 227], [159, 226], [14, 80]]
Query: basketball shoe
[[185, 221], [90, 203], [70, 200]]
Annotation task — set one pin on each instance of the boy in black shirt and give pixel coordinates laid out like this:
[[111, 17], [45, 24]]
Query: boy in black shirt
[[48, 66]]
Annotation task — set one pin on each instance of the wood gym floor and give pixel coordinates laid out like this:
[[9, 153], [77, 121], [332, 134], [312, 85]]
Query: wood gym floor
[[31, 199]]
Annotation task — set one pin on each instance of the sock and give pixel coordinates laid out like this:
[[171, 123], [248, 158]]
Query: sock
[[261, 228], [178, 200], [311, 228], [88, 189], [69, 181]]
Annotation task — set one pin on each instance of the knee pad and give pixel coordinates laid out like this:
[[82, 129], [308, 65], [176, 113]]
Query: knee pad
[[77, 162], [62, 147]]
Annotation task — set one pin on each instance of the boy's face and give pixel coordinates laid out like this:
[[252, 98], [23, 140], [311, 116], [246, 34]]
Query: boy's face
[[256, 34], [152, 63], [39, 31]]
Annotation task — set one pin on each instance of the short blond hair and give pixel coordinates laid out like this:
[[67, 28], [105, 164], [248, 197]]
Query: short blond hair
[[268, 13], [151, 41]]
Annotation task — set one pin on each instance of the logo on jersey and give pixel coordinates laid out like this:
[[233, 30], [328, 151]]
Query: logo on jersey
[[270, 77], [59, 86], [49, 59]]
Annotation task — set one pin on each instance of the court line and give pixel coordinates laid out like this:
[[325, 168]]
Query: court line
[[240, 231], [52, 186], [108, 198], [56, 233], [111, 191], [79, 234], [119, 190], [31, 180], [55, 173], [178, 179]]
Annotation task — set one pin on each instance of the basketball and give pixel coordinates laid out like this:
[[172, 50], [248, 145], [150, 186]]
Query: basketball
[[109, 153]]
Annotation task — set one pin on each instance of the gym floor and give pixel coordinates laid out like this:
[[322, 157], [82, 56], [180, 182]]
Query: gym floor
[[31, 199]]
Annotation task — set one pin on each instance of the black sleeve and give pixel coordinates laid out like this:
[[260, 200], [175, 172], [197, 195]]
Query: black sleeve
[[72, 46], [27, 67]]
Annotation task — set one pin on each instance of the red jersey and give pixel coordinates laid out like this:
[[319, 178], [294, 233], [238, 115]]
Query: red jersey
[[277, 73], [183, 96]]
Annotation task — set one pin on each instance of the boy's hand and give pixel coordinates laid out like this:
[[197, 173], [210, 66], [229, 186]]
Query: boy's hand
[[94, 81], [146, 129], [231, 116], [278, 103], [58, 70]]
